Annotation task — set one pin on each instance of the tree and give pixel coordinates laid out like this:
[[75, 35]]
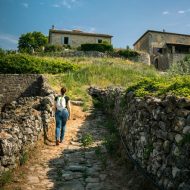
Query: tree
[[32, 41], [2, 52]]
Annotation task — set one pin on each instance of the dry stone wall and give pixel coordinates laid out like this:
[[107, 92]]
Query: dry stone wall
[[13, 86], [143, 57], [23, 121], [156, 132]]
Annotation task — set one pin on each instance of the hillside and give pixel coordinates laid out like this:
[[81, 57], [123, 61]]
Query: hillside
[[78, 73]]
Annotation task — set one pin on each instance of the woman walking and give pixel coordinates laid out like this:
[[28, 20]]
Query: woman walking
[[62, 114]]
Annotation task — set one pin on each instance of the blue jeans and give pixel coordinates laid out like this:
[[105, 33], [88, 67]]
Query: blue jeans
[[61, 118]]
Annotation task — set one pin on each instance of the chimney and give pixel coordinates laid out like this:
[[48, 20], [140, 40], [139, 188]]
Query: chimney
[[53, 27], [164, 30]]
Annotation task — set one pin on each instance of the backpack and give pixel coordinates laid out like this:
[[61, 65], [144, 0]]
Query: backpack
[[60, 103]]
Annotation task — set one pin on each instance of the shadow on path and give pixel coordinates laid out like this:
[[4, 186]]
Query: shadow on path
[[91, 167]]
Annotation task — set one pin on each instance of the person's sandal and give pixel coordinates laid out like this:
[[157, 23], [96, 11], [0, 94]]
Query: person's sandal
[[57, 142]]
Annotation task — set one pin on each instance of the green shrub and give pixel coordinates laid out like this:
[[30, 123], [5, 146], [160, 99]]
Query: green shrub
[[5, 178], [147, 151], [2, 52], [111, 142], [53, 48], [22, 63], [24, 158], [97, 47], [87, 140], [179, 86], [126, 53], [181, 67]]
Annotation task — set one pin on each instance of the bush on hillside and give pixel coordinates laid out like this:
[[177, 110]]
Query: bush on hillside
[[22, 63], [178, 86], [53, 48], [126, 53], [181, 67], [97, 47], [2, 52]]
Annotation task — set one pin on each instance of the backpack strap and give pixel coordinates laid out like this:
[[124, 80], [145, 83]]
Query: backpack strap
[[66, 100]]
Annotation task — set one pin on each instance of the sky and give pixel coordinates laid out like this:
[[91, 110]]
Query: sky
[[125, 20]]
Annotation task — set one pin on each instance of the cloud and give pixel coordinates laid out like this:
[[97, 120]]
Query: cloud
[[165, 13], [65, 3], [56, 5], [181, 12], [26, 5], [92, 29], [85, 28], [9, 38], [8, 41]]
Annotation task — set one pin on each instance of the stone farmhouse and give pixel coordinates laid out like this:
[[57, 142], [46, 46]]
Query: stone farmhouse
[[164, 48], [75, 38]]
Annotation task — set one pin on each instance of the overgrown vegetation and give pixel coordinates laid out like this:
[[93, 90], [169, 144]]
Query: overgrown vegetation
[[178, 85], [101, 156], [185, 140], [102, 47], [24, 158], [87, 140], [100, 72], [147, 151], [126, 53], [78, 73], [111, 141], [22, 63], [55, 48], [5, 178], [182, 67]]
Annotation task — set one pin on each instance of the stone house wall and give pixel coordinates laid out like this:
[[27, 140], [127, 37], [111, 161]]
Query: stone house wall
[[156, 132], [143, 44], [152, 40], [76, 40], [160, 39]]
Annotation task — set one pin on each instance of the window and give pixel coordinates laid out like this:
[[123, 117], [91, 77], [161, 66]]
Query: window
[[158, 50], [66, 40], [99, 41]]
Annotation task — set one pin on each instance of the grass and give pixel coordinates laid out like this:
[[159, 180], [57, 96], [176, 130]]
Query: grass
[[100, 72], [5, 178], [87, 140], [173, 85], [104, 72], [24, 158]]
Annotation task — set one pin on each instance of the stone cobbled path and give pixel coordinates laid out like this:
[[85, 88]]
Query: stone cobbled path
[[71, 166]]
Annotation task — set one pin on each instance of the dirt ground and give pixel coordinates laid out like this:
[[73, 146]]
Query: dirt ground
[[71, 166]]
